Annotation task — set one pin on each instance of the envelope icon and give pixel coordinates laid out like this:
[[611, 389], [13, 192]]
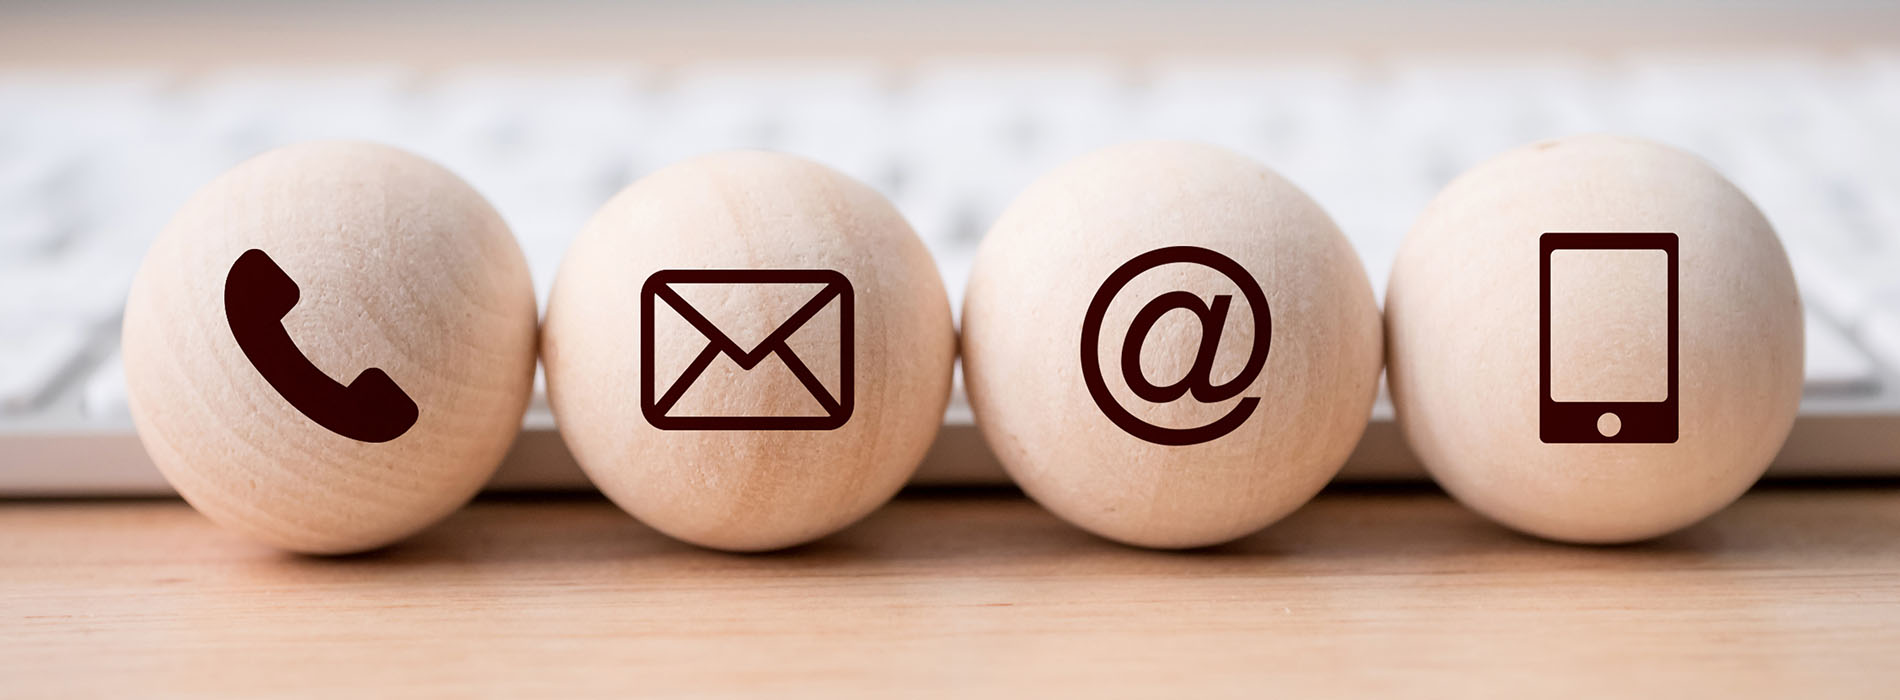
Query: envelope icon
[[657, 403]]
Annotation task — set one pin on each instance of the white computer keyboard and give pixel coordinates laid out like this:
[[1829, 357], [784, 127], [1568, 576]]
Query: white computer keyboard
[[93, 163]]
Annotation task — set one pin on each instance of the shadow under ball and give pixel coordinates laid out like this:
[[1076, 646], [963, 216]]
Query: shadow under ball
[[1463, 326], [738, 485], [330, 346], [1051, 255]]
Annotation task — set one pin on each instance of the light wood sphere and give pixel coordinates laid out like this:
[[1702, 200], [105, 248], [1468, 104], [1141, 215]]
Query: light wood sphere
[[1463, 321], [1048, 259], [398, 267], [748, 488]]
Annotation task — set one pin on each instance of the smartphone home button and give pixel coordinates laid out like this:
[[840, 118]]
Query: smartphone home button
[[1609, 425]]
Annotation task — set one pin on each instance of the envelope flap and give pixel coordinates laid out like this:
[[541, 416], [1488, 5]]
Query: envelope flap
[[750, 313], [746, 314]]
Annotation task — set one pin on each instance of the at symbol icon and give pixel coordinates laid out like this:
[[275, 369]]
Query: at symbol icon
[[1199, 381]]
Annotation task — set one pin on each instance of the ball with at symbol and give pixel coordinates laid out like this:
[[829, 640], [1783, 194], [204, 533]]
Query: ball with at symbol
[[1170, 345]]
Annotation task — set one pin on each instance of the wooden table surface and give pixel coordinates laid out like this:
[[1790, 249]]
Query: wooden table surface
[[1793, 592]]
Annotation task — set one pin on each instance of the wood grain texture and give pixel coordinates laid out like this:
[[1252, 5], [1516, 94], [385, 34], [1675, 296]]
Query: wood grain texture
[[1790, 593]]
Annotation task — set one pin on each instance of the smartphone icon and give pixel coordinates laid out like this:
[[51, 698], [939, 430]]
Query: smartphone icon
[[257, 295], [1607, 382]]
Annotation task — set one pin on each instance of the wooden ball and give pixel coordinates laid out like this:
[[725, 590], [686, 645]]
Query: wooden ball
[[331, 346], [1464, 315], [748, 350], [1058, 406]]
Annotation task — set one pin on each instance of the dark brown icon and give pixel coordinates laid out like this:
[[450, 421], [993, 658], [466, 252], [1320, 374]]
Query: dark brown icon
[[656, 404], [1608, 421], [257, 295], [1199, 380]]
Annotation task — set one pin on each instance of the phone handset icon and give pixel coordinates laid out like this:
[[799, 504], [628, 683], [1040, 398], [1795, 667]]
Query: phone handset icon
[[257, 295]]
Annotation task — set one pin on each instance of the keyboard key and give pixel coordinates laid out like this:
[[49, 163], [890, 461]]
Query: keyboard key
[[29, 231], [34, 362], [1720, 106], [144, 184], [71, 113], [84, 285], [974, 133], [581, 124], [104, 396], [1833, 363], [1460, 112], [33, 212], [1266, 110], [838, 113], [546, 147], [1827, 287], [245, 111], [1880, 332]]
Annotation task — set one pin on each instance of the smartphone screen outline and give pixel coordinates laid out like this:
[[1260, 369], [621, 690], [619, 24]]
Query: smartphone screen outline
[[1577, 421]]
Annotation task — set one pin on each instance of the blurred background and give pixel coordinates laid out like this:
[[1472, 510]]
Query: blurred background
[[112, 113]]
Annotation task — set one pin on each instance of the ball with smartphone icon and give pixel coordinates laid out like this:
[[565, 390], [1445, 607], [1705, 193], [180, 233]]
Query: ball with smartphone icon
[[1594, 339], [330, 346]]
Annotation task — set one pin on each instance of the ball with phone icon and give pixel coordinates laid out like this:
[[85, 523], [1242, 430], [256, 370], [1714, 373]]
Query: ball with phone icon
[[331, 346]]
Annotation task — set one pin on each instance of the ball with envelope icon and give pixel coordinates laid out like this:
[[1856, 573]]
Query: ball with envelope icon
[[748, 350]]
